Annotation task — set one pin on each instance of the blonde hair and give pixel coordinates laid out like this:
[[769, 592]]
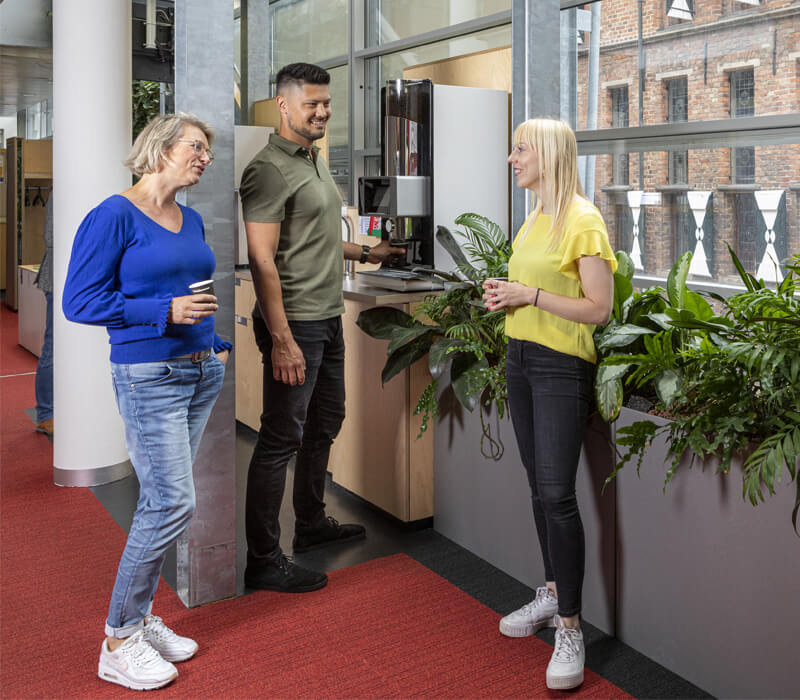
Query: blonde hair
[[158, 136], [554, 144]]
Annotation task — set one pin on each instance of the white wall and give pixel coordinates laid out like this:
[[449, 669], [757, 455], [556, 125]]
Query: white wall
[[9, 126]]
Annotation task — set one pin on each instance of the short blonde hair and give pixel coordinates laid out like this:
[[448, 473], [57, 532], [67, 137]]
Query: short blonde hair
[[161, 134], [557, 150]]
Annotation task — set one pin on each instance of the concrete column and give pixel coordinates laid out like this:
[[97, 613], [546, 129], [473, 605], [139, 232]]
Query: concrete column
[[206, 553], [256, 55], [92, 136], [535, 76]]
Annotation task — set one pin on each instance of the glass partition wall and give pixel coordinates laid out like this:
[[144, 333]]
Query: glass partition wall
[[688, 120]]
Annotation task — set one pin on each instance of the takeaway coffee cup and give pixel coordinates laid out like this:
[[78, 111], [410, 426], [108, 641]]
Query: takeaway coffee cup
[[204, 287]]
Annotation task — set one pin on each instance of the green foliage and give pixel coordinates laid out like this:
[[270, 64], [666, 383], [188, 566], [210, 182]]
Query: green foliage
[[146, 99], [455, 329], [729, 381]]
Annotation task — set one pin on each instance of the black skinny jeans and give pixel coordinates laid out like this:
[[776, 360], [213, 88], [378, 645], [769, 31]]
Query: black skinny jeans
[[300, 420], [549, 395]]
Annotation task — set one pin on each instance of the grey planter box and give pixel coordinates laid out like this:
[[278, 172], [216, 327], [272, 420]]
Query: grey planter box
[[708, 584], [485, 506]]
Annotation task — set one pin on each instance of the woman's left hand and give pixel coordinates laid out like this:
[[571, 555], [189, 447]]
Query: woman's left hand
[[501, 295], [223, 356]]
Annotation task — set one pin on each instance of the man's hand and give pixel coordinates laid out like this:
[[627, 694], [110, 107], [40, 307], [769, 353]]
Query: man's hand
[[384, 251], [288, 363], [191, 309]]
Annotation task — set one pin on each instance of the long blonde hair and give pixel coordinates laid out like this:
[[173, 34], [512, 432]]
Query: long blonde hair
[[554, 143]]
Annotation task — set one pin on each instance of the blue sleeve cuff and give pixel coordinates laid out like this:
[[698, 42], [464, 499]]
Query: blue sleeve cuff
[[148, 312], [220, 345]]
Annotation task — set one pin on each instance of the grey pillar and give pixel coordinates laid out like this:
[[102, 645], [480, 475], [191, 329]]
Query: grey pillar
[[535, 74], [206, 553], [256, 55]]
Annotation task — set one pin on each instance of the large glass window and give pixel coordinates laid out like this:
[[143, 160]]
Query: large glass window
[[379, 70], [338, 151], [389, 20], [715, 46], [667, 221], [308, 30]]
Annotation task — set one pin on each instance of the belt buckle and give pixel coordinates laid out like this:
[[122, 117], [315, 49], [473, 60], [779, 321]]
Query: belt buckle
[[198, 357]]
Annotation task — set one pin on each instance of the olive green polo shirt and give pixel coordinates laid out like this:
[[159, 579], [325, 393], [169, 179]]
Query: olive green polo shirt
[[284, 184]]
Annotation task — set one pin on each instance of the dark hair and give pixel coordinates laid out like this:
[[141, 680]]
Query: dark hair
[[299, 73]]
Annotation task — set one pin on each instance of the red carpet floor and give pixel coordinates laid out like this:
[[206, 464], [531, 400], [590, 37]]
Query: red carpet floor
[[388, 628]]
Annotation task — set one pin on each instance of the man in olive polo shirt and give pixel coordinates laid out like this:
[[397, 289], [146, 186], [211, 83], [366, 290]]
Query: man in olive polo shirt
[[292, 213]]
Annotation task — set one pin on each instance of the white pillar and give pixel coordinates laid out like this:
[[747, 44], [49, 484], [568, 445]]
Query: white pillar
[[635, 203], [769, 269], [698, 203], [91, 137]]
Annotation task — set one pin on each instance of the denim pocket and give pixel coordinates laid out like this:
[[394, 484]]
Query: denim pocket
[[148, 373]]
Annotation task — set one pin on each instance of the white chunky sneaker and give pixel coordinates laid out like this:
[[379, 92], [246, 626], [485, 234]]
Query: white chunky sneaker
[[565, 669], [531, 617], [171, 646], [135, 664]]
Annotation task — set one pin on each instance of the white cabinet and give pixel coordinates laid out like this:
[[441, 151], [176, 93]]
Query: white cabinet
[[32, 310]]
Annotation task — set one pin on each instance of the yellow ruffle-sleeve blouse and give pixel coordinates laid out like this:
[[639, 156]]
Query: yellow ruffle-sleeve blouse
[[556, 271]]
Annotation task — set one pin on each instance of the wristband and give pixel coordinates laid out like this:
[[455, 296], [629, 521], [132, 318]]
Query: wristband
[[365, 251], [536, 298]]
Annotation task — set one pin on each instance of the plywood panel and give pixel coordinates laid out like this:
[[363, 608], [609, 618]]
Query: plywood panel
[[265, 113], [37, 158], [33, 234], [370, 455], [484, 69], [249, 367]]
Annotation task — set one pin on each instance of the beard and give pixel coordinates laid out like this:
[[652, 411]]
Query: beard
[[306, 130]]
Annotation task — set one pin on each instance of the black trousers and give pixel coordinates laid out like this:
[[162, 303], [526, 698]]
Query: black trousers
[[549, 396], [301, 420]]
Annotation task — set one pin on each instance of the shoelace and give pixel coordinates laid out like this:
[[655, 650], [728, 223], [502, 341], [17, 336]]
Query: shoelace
[[139, 650], [567, 646], [158, 629], [541, 594], [285, 562]]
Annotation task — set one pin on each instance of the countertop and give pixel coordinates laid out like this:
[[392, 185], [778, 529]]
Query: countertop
[[355, 290]]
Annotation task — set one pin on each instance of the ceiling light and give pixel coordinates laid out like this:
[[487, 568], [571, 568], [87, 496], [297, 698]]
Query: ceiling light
[[680, 10]]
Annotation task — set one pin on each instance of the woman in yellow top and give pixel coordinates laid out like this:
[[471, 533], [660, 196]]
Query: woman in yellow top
[[561, 286]]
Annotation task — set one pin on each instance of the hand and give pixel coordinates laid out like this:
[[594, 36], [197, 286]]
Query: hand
[[501, 295], [288, 363], [385, 251], [223, 355], [191, 309]]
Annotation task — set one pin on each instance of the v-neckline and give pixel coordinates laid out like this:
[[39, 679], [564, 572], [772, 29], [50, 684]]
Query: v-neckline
[[150, 218]]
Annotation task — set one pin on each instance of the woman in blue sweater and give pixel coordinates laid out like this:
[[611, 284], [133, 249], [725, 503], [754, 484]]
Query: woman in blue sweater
[[133, 259]]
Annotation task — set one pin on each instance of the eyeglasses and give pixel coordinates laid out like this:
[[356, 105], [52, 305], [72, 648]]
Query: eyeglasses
[[199, 149]]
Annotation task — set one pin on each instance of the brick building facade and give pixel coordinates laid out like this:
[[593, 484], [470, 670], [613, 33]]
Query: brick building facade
[[729, 59]]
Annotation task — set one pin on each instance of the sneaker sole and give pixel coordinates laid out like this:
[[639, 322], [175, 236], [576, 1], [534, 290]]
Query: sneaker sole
[[328, 543], [286, 589], [113, 675], [564, 682], [517, 631]]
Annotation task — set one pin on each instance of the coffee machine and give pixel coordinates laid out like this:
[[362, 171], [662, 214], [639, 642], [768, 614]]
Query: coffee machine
[[443, 153]]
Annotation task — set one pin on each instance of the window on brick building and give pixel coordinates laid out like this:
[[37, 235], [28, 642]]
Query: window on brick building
[[742, 104], [619, 119], [678, 111], [678, 10]]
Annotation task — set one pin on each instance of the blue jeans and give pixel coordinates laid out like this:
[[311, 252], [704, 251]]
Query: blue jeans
[[298, 420], [165, 406], [549, 396], [44, 370]]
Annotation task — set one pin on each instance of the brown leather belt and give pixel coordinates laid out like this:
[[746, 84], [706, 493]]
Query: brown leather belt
[[196, 357]]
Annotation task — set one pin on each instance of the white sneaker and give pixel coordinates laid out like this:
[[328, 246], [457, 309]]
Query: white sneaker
[[565, 669], [135, 664], [531, 617], [171, 646]]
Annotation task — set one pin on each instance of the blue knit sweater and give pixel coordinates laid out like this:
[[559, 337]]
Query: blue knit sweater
[[125, 269]]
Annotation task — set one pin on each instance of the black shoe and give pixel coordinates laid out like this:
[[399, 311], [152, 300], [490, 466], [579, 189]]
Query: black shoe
[[285, 576], [330, 531]]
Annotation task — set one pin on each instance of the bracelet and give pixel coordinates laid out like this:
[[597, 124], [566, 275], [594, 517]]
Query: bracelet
[[365, 251], [536, 298]]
